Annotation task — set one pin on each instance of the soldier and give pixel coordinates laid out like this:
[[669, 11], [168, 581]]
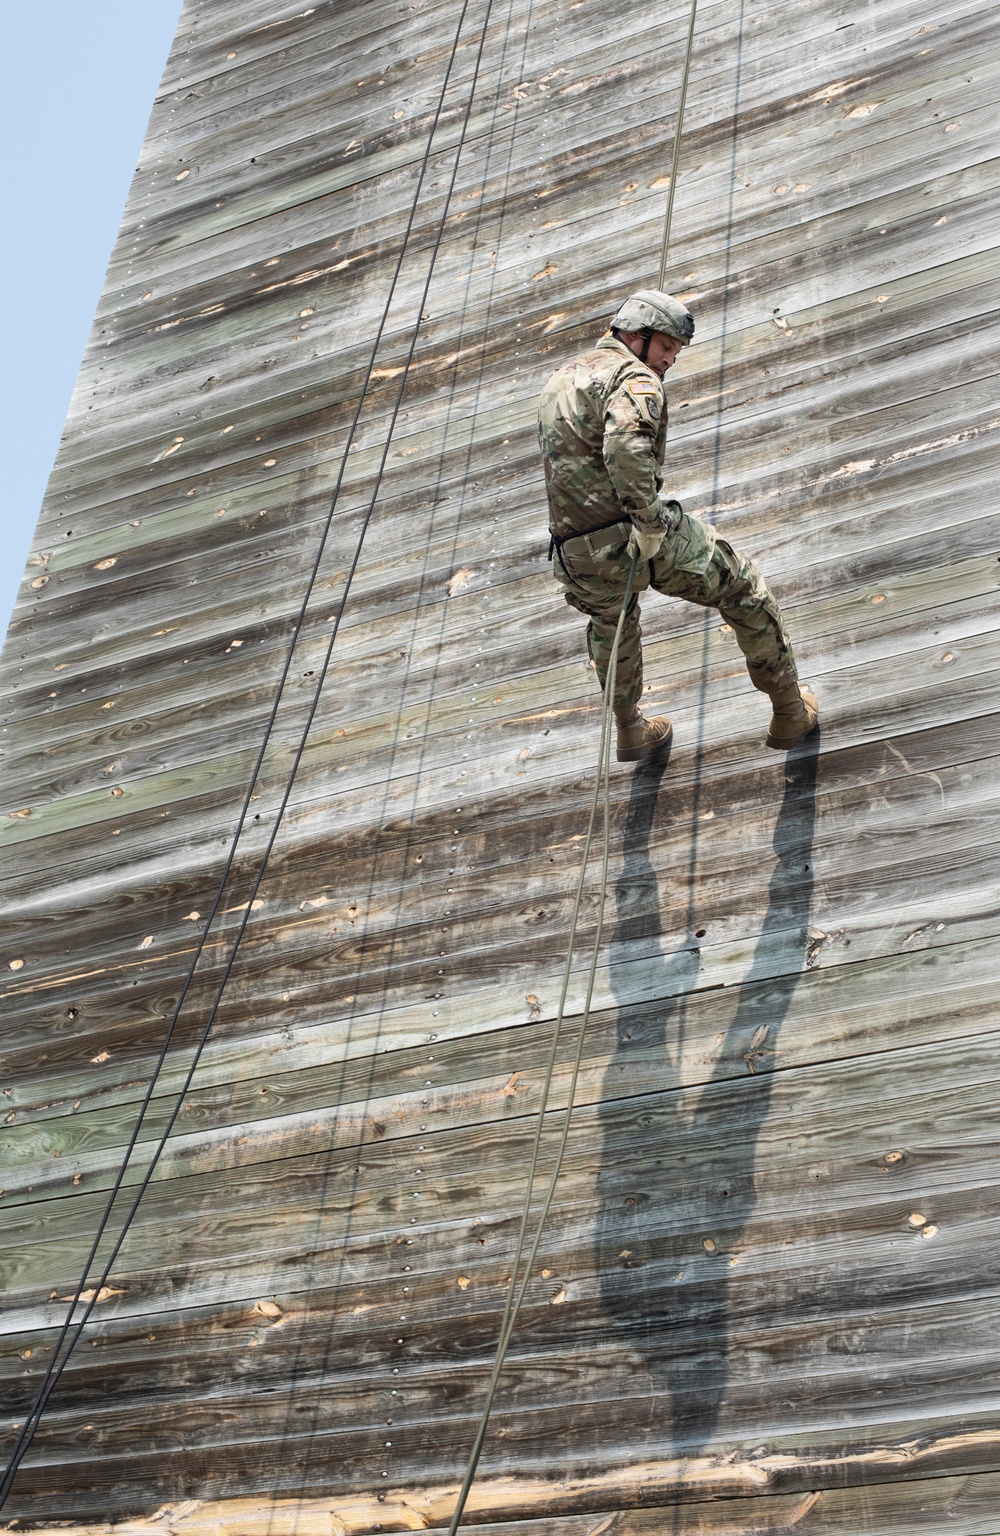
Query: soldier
[[602, 424]]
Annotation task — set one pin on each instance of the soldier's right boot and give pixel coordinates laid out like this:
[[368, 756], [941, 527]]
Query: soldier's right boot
[[636, 736], [796, 711]]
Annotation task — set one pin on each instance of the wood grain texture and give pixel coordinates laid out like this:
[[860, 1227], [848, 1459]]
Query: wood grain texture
[[765, 1300]]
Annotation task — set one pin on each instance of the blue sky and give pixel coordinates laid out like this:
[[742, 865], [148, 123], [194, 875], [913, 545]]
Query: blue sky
[[77, 81]]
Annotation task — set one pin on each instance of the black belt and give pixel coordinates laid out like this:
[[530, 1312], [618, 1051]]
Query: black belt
[[556, 541]]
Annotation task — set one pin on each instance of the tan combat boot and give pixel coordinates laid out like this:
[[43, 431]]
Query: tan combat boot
[[796, 713], [637, 736]]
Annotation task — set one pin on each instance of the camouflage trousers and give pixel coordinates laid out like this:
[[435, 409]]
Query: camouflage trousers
[[694, 564]]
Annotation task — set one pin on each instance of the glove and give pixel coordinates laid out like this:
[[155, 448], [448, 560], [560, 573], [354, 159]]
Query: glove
[[644, 543]]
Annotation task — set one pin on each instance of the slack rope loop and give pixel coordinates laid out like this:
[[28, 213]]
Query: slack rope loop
[[677, 146], [517, 1289], [61, 1355]]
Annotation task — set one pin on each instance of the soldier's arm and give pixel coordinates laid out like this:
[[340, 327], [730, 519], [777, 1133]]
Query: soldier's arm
[[631, 429]]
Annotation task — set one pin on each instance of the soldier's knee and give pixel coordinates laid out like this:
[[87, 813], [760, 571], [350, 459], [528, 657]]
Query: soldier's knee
[[736, 574], [745, 589]]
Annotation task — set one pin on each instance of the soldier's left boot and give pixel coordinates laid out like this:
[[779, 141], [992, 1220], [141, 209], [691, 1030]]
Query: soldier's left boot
[[796, 711], [636, 736]]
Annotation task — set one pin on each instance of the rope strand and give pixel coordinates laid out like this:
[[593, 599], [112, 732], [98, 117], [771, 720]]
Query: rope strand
[[602, 792], [517, 1289], [677, 146], [61, 1355], [601, 796]]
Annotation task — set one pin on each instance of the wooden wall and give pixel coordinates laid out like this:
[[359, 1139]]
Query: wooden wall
[[767, 1296]]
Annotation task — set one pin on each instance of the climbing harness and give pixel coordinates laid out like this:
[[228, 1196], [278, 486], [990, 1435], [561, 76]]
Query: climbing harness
[[67, 1341], [556, 541], [518, 1287]]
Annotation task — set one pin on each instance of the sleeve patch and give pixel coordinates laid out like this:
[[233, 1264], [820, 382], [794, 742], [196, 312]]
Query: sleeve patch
[[642, 387]]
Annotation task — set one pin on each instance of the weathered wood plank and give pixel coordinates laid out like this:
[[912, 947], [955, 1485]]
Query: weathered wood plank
[[373, 651], [881, 762], [900, 1510], [766, 1032], [708, 94], [771, 1120], [957, 812]]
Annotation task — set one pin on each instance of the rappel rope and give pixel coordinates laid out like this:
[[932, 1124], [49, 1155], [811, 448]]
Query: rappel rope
[[675, 162], [517, 1289], [61, 1354]]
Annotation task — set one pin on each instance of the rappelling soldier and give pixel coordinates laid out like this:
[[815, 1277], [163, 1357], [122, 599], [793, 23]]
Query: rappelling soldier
[[602, 424]]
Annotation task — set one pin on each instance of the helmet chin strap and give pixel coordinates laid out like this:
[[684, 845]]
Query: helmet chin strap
[[647, 337]]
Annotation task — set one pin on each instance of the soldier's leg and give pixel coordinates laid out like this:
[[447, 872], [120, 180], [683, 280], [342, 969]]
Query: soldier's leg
[[749, 607], [594, 584], [747, 604], [702, 568], [600, 639], [731, 583], [635, 736]]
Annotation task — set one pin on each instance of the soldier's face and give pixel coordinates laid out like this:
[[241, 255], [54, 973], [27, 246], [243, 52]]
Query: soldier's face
[[663, 349], [663, 352]]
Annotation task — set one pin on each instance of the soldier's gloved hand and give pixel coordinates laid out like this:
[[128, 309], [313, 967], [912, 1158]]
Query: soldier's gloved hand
[[644, 543]]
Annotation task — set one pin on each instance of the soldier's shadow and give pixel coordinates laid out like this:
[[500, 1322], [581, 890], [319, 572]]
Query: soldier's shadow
[[677, 1166]]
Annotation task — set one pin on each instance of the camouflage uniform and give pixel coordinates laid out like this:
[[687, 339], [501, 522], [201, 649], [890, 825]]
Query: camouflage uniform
[[602, 425]]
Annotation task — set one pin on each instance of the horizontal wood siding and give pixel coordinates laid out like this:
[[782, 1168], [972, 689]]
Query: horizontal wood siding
[[766, 1296]]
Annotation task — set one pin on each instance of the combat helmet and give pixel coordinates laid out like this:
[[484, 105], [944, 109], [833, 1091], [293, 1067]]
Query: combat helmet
[[650, 310]]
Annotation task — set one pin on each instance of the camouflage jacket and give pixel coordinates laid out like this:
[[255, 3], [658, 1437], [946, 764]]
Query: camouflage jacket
[[602, 426]]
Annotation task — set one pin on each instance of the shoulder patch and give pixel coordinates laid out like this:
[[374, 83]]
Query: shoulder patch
[[641, 387]]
